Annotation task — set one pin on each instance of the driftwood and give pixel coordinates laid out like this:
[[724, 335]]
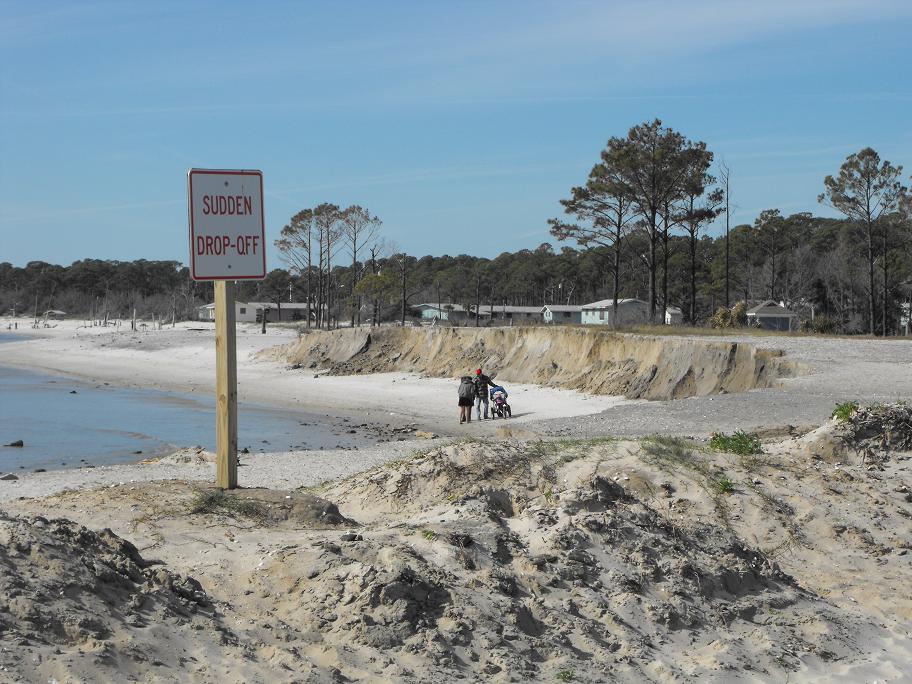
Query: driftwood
[[879, 430]]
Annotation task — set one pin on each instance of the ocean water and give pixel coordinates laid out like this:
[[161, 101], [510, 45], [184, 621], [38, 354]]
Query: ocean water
[[67, 423]]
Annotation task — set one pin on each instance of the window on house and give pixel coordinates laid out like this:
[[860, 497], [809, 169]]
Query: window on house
[[601, 314], [566, 314], [243, 310]]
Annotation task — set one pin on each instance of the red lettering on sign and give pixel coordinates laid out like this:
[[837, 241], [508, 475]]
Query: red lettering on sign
[[217, 244], [232, 205], [246, 244]]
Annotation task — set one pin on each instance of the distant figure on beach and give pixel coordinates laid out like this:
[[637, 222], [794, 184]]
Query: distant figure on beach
[[466, 399], [482, 382]]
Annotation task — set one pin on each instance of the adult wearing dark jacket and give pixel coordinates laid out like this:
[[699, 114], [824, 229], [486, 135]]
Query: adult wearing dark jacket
[[466, 398], [481, 382]]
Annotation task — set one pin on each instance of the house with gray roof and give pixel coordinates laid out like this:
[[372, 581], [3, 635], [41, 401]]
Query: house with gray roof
[[562, 313], [629, 312], [771, 316]]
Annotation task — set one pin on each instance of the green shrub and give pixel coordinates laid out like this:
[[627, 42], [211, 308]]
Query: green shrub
[[566, 676], [724, 485], [741, 443], [844, 411]]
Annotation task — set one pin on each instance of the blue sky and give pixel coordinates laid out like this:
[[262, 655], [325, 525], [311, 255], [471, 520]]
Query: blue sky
[[460, 124]]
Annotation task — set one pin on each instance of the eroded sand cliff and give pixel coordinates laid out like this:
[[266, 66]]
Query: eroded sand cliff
[[594, 361]]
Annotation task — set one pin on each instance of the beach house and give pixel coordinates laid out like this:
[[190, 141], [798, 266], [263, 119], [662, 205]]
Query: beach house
[[771, 316], [562, 313], [630, 312], [252, 312]]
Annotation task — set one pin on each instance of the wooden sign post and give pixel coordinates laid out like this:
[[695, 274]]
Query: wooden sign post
[[225, 387], [227, 243]]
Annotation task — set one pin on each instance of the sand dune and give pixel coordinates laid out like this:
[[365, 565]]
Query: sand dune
[[519, 561]]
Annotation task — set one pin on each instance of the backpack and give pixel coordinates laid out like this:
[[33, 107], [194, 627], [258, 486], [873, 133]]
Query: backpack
[[466, 388]]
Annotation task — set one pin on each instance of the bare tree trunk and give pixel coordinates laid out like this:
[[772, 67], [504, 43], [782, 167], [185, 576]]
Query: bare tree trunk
[[617, 277], [309, 267], [871, 295], [725, 177], [664, 273], [885, 284], [692, 314], [477, 298], [403, 290], [329, 280], [653, 238], [353, 275], [321, 283], [376, 299]]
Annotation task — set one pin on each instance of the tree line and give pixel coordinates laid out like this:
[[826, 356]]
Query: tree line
[[655, 183], [635, 228]]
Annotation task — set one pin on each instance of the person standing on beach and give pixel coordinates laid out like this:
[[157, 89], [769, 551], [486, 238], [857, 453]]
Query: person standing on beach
[[466, 399], [482, 382]]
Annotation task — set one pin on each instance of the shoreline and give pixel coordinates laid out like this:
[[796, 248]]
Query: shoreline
[[183, 360], [66, 422]]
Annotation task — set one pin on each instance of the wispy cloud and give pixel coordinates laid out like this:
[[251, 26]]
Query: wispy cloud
[[27, 216], [420, 176], [473, 53], [792, 153]]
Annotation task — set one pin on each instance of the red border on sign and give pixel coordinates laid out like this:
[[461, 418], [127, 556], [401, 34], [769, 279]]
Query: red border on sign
[[225, 172]]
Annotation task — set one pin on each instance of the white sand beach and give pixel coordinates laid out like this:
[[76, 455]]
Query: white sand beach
[[183, 358]]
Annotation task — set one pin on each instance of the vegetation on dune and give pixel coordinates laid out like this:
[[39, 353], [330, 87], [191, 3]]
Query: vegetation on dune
[[844, 411], [741, 443], [219, 502]]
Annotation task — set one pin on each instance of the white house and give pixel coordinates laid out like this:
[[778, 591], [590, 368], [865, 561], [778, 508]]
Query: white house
[[630, 312], [252, 312], [673, 316], [560, 313], [772, 316], [243, 312], [498, 314], [429, 312], [455, 313]]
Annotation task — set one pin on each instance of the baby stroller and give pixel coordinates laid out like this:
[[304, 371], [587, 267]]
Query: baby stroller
[[499, 406]]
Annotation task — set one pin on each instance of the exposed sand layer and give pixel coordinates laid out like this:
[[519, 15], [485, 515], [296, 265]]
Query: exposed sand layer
[[831, 370], [500, 561], [584, 359]]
